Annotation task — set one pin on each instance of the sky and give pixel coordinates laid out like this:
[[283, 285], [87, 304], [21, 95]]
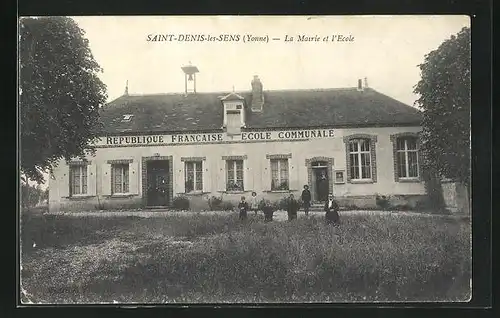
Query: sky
[[384, 49]]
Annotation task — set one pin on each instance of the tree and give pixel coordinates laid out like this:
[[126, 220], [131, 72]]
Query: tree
[[60, 94], [444, 91]]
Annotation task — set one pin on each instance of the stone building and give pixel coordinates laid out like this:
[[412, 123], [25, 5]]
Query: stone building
[[354, 142]]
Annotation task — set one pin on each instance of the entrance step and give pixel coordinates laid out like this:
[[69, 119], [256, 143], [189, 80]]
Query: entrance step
[[154, 208]]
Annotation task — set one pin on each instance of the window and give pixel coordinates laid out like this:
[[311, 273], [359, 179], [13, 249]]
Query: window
[[407, 157], [339, 176], [233, 122], [127, 118], [234, 170], [193, 176], [359, 159], [279, 174], [78, 179], [119, 178]]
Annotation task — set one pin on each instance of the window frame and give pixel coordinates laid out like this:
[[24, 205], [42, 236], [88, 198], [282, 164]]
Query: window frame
[[406, 152], [195, 164], [372, 141], [406, 136], [82, 170], [280, 181], [359, 155], [235, 174], [113, 169]]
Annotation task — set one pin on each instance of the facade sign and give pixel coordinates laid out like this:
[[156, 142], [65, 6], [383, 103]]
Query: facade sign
[[216, 137]]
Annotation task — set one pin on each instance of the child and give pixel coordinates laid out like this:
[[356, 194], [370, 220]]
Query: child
[[306, 199], [268, 211], [254, 203], [292, 208], [243, 207]]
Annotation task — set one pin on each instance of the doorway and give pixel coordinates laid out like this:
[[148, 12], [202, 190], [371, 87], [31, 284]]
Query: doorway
[[158, 183], [320, 182]]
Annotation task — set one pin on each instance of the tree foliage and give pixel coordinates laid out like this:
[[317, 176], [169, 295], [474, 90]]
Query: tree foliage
[[60, 93], [444, 91], [31, 195]]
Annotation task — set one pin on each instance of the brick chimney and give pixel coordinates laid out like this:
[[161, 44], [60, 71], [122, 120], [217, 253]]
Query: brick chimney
[[360, 85], [257, 94]]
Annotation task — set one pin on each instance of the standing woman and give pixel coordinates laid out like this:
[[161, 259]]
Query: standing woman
[[254, 203], [306, 199]]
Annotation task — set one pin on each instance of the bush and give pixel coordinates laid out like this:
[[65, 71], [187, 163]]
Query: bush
[[218, 204], [283, 203], [403, 207], [181, 203], [351, 207], [215, 203], [227, 206], [382, 202]]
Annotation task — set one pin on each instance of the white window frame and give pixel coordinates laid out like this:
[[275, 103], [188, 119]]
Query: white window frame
[[358, 153], [280, 162], [195, 164], [235, 172], [113, 167], [82, 169], [406, 151]]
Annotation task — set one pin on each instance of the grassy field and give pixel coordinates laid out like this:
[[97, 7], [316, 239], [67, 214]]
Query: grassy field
[[215, 258]]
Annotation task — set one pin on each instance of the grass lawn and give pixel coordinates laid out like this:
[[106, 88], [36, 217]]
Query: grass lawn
[[215, 258]]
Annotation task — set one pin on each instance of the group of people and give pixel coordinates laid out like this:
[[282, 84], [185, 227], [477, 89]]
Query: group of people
[[331, 207]]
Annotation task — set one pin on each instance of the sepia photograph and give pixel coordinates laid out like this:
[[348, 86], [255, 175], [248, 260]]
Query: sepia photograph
[[244, 159]]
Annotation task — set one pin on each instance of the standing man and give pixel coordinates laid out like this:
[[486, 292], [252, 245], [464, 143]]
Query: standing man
[[306, 199], [331, 209], [243, 207], [292, 208]]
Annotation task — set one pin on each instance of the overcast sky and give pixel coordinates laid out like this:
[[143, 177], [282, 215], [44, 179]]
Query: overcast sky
[[386, 50]]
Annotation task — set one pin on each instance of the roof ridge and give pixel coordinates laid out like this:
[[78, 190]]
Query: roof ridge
[[239, 92]]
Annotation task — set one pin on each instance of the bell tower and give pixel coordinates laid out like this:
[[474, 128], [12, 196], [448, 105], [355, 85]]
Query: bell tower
[[190, 78]]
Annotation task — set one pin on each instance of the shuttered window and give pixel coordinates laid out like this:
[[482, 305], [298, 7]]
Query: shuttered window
[[78, 179], [119, 178]]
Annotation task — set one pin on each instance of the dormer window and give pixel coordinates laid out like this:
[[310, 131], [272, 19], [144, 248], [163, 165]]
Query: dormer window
[[127, 118], [233, 122], [234, 113]]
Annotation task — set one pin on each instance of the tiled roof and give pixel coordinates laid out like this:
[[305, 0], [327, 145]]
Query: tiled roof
[[286, 108]]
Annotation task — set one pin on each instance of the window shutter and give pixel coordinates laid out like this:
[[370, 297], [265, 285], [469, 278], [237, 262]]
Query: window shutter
[[64, 184], [106, 179], [293, 178], [91, 179], [133, 177], [266, 176], [247, 184], [220, 177], [181, 176]]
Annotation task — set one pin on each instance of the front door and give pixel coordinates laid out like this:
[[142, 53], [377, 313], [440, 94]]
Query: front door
[[321, 182], [158, 183]]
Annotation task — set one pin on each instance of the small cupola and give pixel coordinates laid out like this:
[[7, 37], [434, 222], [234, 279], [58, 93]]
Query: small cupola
[[190, 78], [234, 113]]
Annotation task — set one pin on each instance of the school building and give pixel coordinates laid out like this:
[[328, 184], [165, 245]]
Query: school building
[[353, 142]]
